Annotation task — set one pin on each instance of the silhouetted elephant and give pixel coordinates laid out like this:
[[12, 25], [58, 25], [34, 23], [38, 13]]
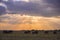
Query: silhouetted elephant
[[7, 31], [46, 32], [34, 32], [27, 32], [55, 32], [59, 30]]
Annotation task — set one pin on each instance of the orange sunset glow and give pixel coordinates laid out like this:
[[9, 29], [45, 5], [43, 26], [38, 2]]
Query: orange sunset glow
[[27, 22]]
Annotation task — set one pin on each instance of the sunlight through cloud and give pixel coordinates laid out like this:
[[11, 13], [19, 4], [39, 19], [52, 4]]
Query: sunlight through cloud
[[22, 0]]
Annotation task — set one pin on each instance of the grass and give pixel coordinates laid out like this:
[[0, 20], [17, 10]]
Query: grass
[[20, 35]]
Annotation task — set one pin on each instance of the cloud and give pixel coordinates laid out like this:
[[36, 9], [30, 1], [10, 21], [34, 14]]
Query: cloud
[[21, 19], [14, 19], [36, 7], [25, 22], [45, 14]]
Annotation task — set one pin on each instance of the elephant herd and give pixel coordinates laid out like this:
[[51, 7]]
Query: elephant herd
[[32, 31]]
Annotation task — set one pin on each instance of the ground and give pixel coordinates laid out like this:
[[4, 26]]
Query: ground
[[20, 35]]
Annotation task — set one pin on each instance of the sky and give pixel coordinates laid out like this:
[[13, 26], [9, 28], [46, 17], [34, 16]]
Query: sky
[[36, 7], [30, 14]]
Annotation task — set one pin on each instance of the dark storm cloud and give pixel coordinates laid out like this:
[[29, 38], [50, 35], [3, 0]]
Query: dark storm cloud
[[23, 6], [37, 7], [2, 10]]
